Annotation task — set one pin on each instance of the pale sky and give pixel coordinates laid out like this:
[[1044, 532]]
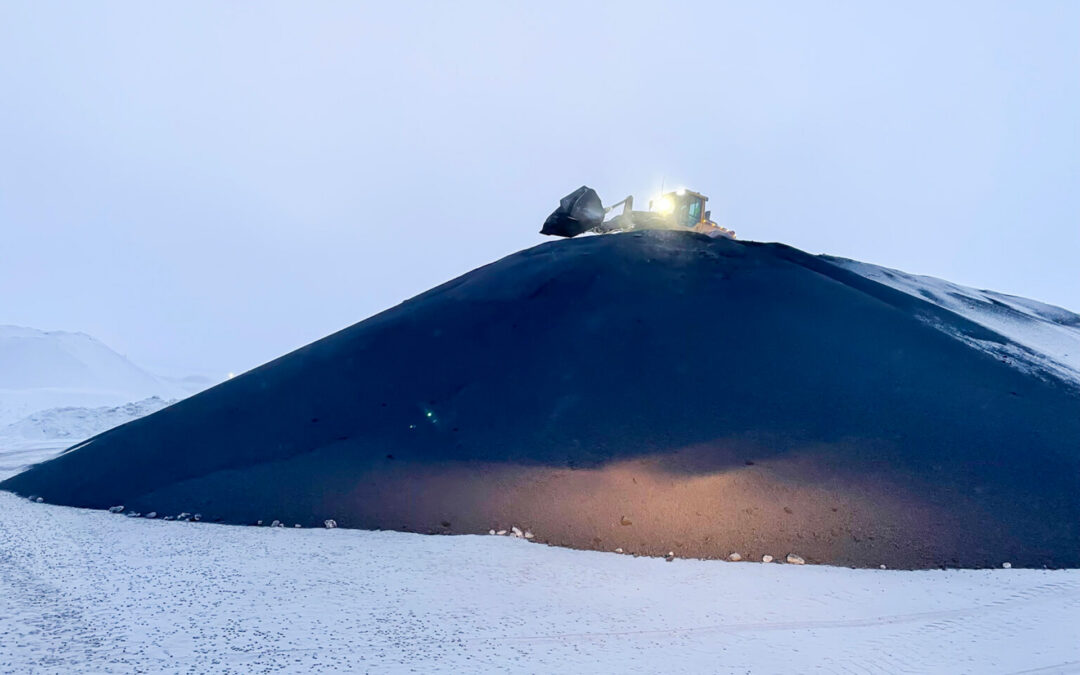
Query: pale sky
[[207, 185]]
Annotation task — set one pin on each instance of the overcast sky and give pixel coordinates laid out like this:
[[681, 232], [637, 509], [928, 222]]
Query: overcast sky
[[205, 186]]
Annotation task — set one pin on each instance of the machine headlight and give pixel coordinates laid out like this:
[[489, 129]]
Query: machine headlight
[[663, 205]]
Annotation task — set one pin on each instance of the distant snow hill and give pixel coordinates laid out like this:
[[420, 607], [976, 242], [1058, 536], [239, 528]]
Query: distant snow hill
[[53, 369], [1041, 338]]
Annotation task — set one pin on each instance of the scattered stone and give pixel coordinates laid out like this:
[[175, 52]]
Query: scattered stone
[[795, 559], [501, 533], [39, 500], [184, 516], [517, 531], [670, 556], [116, 509], [33, 498], [259, 523], [296, 525], [329, 523], [883, 567], [167, 518], [152, 514], [734, 557], [1006, 565], [766, 558], [618, 550], [276, 523], [132, 514], [528, 535], [625, 521], [197, 516], [491, 531]]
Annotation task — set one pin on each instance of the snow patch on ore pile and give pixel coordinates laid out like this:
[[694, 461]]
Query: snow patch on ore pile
[[1043, 339]]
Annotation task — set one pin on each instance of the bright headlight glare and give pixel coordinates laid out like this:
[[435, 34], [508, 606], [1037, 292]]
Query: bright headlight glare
[[663, 205]]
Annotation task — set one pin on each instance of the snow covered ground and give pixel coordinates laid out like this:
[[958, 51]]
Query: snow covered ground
[[87, 591]]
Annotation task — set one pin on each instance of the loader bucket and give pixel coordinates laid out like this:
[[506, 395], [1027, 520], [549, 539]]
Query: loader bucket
[[579, 211]]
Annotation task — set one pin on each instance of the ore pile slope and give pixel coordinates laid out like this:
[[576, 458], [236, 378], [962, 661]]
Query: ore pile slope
[[1040, 337], [654, 392]]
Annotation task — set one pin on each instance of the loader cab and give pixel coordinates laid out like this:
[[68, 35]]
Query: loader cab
[[689, 208], [685, 208]]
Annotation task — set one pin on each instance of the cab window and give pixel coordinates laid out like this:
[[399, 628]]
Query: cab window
[[693, 216]]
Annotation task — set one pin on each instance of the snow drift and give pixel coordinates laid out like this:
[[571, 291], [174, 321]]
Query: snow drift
[[654, 392], [40, 436], [76, 423]]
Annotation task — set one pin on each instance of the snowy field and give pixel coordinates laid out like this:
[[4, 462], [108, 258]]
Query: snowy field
[[87, 591]]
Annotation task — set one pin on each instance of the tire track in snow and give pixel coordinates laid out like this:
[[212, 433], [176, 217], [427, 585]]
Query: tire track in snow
[[1040, 594]]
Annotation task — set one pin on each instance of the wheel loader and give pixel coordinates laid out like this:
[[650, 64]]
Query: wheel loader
[[582, 211]]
